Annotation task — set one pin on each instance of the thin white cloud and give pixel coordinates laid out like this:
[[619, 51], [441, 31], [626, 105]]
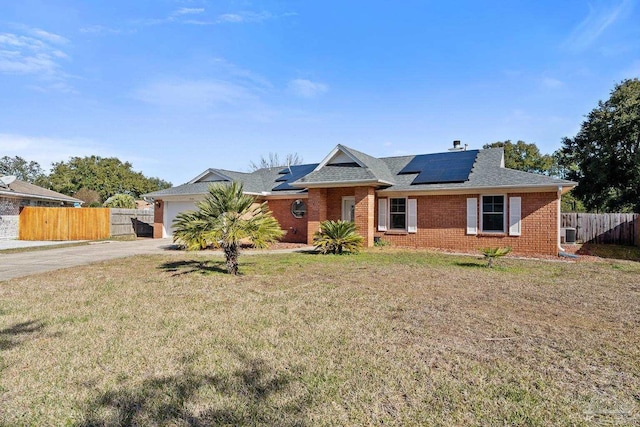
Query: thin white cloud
[[244, 17], [180, 93], [188, 11], [599, 19], [551, 83], [306, 88], [34, 52], [50, 37], [99, 30], [46, 150], [240, 75]]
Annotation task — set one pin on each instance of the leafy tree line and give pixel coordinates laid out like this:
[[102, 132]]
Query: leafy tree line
[[528, 158], [603, 158], [93, 179]]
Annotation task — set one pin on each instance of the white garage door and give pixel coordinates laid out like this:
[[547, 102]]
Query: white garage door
[[171, 209]]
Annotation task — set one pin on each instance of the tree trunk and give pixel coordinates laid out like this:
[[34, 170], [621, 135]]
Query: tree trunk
[[231, 255]]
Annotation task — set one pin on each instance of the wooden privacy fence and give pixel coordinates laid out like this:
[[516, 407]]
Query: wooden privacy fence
[[131, 222], [611, 228], [38, 223]]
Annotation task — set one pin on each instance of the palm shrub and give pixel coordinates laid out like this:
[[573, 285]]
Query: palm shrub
[[224, 218], [336, 237], [491, 253]]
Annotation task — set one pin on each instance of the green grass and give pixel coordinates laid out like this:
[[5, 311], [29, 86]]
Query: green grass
[[631, 253], [385, 337]]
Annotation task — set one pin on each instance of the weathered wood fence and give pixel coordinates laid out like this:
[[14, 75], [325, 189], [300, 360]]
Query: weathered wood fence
[[40, 223], [131, 222], [610, 228]]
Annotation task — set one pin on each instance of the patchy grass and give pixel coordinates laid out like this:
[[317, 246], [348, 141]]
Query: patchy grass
[[631, 253], [386, 337]]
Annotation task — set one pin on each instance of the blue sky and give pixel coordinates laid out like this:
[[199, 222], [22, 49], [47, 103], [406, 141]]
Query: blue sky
[[178, 86]]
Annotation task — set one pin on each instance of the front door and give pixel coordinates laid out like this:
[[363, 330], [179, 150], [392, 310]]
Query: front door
[[349, 209]]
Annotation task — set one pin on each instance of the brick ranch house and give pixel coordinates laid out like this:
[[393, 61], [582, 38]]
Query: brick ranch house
[[457, 200], [18, 194]]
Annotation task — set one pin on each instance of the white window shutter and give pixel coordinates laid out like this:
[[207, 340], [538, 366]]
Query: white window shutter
[[472, 215], [382, 214], [514, 216], [412, 208]]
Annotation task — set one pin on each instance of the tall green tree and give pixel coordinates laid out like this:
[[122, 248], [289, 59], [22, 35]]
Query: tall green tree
[[224, 218], [22, 169], [524, 157], [106, 175], [606, 152]]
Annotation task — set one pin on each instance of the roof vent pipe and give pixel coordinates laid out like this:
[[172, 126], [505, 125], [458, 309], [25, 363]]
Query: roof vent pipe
[[456, 146]]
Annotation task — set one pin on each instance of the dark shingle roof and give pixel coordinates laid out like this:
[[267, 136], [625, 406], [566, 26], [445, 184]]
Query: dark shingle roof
[[487, 172]]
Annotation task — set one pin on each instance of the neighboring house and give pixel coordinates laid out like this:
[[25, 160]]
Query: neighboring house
[[457, 200], [18, 194]]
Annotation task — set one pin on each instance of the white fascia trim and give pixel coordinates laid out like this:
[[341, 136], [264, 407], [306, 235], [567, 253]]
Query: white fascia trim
[[475, 190], [34, 197], [181, 197], [332, 154], [273, 196], [333, 184]]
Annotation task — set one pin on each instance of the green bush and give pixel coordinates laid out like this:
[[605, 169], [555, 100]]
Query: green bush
[[337, 237], [123, 201]]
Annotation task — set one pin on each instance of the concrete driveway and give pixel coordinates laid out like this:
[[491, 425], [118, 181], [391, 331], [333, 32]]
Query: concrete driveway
[[26, 263], [22, 264]]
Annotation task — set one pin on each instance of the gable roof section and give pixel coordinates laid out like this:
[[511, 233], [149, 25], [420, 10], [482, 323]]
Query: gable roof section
[[211, 175], [31, 191], [364, 169]]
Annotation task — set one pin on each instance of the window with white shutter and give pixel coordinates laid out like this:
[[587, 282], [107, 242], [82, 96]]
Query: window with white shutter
[[382, 214], [412, 205], [472, 216], [515, 223]]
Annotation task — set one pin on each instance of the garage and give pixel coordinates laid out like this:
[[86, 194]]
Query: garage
[[171, 210]]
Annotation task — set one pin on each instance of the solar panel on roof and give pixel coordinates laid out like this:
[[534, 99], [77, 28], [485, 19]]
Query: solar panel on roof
[[292, 173], [441, 167]]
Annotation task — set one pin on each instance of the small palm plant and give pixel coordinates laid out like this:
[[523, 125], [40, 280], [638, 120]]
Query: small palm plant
[[223, 219], [492, 253], [337, 237]]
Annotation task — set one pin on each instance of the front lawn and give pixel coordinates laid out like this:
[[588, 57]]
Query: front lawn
[[386, 337]]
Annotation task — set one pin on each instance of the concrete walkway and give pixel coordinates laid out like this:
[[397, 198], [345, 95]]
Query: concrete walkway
[[22, 264]]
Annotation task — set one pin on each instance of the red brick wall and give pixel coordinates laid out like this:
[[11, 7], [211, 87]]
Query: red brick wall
[[317, 211], [296, 228], [334, 201], [364, 213], [442, 223]]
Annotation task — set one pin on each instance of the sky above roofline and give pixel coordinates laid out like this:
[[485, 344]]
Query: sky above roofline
[[179, 86]]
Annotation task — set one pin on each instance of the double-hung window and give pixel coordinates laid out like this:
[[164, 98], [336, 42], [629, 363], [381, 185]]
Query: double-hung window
[[398, 214], [493, 214]]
